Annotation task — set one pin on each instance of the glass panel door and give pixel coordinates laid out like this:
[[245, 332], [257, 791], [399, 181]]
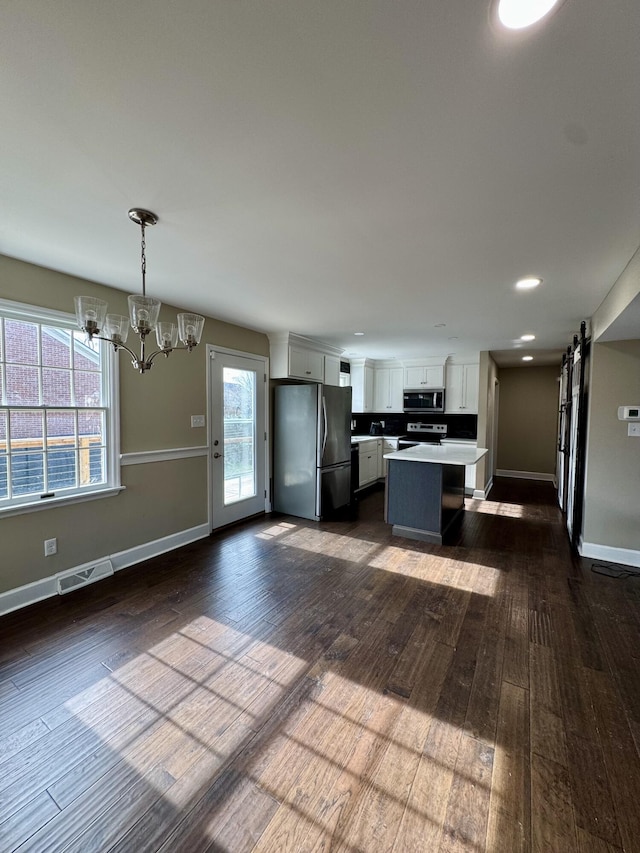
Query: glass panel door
[[239, 434]]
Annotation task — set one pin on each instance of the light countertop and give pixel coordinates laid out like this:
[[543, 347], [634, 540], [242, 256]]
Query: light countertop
[[443, 454]]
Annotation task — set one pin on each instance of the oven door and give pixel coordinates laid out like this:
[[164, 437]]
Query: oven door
[[424, 401]]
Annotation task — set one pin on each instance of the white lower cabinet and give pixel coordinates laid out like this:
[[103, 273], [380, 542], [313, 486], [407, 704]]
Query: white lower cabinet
[[389, 445], [369, 461]]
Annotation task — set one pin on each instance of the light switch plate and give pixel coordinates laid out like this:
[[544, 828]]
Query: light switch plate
[[633, 429], [197, 420]]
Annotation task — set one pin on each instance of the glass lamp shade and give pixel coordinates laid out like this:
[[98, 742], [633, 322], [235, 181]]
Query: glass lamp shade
[[143, 313], [90, 313], [116, 327], [190, 328], [167, 335]]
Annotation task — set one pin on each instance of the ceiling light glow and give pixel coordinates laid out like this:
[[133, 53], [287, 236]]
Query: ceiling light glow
[[528, 283], [358, 333], [527, 337], [527, 358], [518, 14]]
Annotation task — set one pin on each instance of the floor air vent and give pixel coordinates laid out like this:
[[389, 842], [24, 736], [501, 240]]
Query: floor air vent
[[81, 577]]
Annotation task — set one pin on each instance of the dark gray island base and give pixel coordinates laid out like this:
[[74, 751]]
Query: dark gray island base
[[423, 500]]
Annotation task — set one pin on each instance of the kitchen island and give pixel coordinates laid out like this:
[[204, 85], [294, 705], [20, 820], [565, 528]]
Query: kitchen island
[[424, 494]]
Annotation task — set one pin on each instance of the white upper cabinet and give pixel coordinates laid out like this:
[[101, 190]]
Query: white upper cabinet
[[428, 373], [306, 364], [387, 390], [461, 389], [331, 370], [362, 379], [295, 357]]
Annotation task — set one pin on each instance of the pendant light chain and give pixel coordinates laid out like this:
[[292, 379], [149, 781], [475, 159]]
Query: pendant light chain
[[143, 259]]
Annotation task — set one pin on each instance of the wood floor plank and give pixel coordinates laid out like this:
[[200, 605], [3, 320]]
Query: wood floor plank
[[18, 828], [465, 823], [423, 820], [509, 827], [552, 821]]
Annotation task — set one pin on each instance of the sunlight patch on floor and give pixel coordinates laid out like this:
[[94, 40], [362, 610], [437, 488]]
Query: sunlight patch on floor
[[276, 530], [498, 508], [431, 568], [337, 545]]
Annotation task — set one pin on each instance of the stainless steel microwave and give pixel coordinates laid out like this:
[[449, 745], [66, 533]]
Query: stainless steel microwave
[[424, 400]]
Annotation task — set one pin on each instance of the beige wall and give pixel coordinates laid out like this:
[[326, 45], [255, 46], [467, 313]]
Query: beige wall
[[528, 419], [161, 498], [485, 468], [612, 504]]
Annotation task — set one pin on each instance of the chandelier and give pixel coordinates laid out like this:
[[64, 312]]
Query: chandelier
[[93, 319]]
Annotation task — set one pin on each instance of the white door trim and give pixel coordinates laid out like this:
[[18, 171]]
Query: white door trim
[[212, 349]]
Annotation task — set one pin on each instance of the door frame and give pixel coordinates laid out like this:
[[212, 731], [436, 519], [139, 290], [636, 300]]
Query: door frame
[[212, 349]]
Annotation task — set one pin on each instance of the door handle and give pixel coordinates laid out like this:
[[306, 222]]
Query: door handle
[[217, 455]]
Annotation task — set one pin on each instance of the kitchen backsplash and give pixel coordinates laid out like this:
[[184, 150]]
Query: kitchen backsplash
[[458, 426]]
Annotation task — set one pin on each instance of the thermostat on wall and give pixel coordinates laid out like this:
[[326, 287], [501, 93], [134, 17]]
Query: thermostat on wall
[[629, 413]]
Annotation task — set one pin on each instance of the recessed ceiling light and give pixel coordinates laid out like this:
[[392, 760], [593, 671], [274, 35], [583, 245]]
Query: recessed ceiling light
[[528, 283], [439, 325], [358, 333], [527, 337], [453, 338], [527, 358], [518, 14]]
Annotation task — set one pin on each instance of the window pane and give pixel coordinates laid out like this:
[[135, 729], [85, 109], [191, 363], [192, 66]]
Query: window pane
[[56, 347], [4, 490], [4, 486], [27, 473], [97, 465], [27, 432], [91, 440], [91, 424], [21, 342], [239, 432], [61, 468], [56, 387], [61, 425], [86, 354], [22, 386], [88, 388]]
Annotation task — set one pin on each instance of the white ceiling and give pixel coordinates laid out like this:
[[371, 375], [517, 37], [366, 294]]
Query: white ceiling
[[331, 166]]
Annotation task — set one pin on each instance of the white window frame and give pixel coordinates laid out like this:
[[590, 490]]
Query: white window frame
[[111, 403]]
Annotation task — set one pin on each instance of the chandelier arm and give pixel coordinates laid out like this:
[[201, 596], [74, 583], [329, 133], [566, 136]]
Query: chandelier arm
[[166, 352], [115, 344]]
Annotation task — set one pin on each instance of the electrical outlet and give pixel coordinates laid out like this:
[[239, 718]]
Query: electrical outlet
[[197, 420], [633, 429], [50, 547]]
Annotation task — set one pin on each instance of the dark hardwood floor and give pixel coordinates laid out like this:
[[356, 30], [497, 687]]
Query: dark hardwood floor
[[292, 686]]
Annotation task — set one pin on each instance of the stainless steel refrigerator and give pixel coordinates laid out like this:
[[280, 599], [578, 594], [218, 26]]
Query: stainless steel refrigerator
[[311, 449]]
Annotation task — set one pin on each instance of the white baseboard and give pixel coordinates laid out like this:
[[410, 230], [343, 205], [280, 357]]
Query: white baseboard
[[609, 553], [526, 475], [30, 593], [483, 494]]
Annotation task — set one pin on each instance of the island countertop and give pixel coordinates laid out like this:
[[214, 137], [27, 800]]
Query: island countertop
[[441, 454]]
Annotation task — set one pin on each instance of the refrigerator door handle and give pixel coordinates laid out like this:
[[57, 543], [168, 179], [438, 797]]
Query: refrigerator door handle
[[324, 434]]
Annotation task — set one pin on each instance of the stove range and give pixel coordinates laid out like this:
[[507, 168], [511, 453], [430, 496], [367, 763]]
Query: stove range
[[422, 433]]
